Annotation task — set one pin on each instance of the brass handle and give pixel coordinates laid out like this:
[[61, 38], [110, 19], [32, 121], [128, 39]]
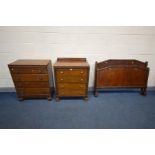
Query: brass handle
[[81, 79], [62, 79], [12, 69], [70, 69], [61, 72], [81, 72]]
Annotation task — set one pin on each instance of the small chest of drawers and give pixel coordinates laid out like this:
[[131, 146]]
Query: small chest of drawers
[[71, 77], [32, 78]]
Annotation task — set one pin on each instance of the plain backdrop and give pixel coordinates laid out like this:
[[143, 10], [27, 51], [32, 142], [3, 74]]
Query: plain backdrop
[[96, 43]]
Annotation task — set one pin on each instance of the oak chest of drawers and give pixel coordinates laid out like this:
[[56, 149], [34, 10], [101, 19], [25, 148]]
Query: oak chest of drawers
[[32, 78], [71, 77]]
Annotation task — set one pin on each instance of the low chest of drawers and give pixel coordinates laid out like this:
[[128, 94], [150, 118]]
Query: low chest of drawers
[[32, 78], [71, 77]]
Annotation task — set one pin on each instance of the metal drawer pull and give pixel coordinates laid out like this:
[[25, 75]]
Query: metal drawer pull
[[12, 69], [81, 72], [81, 79], [70, 69], [62, 79], [61, 72]]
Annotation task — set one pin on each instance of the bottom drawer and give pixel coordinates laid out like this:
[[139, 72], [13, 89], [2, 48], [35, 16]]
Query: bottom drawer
[[71, 86], [33, 91], [71, 93]]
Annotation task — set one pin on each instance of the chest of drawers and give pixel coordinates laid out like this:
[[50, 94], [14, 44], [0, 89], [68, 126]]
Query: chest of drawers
[[32, 78], [71, 77]]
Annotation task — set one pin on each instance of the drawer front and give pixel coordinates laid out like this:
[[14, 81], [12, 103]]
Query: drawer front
[[29, 70], [30, 77], [71, 87], [71, 93], [32, 91], [71, 79], [30, 84], [71, 72]]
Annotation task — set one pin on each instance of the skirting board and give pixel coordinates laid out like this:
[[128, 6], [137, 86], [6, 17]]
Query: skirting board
[[90, 89]]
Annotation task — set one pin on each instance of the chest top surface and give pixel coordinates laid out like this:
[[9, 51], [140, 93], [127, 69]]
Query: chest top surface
[[29, 62], [71, 62]]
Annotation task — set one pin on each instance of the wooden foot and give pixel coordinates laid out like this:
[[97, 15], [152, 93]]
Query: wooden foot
[[20, 99], [57, 99], [95, 93], [86, 98], [49, 98], [143, 91]]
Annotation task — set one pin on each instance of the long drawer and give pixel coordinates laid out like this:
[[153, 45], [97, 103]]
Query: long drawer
[[30, 77], [71, 72], [32, 91], [29, 70], [70, 86], [72, 93], [71, 79], [34, 84]]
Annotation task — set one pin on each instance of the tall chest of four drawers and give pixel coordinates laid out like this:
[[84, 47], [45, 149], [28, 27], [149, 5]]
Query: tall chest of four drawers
[[71, 77], [32, 78]]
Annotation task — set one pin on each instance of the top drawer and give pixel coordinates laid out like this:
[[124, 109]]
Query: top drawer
[[28, 70], [71, 72]]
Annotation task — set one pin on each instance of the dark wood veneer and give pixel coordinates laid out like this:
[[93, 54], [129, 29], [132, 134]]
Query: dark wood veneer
[[32, 78], [121, 74]]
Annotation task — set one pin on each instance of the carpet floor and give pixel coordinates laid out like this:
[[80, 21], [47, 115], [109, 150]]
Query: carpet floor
[[110, 110]]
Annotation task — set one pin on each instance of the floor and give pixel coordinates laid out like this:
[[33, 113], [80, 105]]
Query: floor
[[110, 110]]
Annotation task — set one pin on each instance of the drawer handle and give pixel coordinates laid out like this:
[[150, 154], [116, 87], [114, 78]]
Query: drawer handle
[[61, 79], [61, 72], [81, 72], [12, 69], [70, 69], [81, 79]]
